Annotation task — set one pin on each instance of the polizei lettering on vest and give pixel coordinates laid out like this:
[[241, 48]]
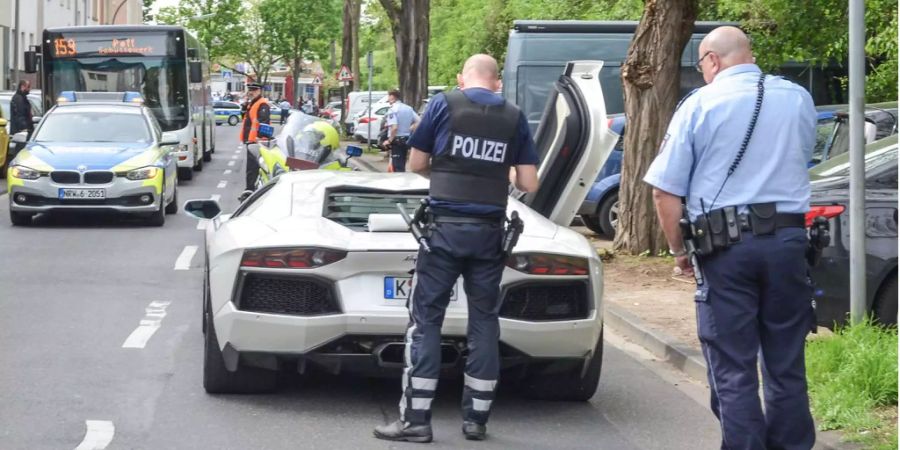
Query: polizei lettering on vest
[[479, 148]]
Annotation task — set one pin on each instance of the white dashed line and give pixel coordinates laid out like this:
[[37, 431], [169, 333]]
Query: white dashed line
[[222, 184], [234, 157], [227, 171], [240, 147], [184, 259], [238, 152], [231, 163], [149, 324], [202, 223], [215, 197], [98, 435]]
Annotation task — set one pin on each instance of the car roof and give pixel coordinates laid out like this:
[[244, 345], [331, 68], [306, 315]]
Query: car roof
[[118, 108]]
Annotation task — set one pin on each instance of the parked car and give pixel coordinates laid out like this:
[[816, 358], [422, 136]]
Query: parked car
[[355, 103], [227, 112], [361, 125], [312, 271], [830, 198], [600, 210]]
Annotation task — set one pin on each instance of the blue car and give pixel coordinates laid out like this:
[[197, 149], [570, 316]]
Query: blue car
[[600, 210]]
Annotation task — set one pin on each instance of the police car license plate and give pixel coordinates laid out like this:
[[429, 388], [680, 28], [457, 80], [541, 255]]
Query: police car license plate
[[400, 288], [82, 194]]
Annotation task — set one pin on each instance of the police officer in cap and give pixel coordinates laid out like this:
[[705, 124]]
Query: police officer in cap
[[746, 189], [257, 112], [467, 142]]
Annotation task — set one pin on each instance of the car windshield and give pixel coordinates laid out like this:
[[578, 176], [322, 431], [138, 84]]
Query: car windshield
[[300, 140], [94, 127], [824, 131]]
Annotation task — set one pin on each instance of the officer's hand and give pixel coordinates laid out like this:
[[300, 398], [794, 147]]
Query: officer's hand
[[386, 143], [684, 263]]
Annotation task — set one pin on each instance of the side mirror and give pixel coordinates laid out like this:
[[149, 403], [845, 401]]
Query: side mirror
[[168, 138], [353, 151], [31, 61], [202, 209], [20, 137], [36, 120], [196, 68]]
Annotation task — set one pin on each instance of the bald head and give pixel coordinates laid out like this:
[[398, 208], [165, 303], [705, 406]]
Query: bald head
[[480, 71], [730, 44]]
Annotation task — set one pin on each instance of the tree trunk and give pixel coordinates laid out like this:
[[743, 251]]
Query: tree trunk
[[350, 43], [411, 29], [295, 72], [651, 78]]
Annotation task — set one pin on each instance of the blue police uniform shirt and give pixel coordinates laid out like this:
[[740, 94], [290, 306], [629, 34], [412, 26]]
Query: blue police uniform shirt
[[403, 116], [706, 132], [433, 131]]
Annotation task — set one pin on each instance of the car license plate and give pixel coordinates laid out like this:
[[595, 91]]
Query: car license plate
[[82, 194], [400, 288]]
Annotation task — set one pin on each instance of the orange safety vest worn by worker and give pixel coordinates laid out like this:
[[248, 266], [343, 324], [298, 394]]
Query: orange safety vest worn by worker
[[250, 127]]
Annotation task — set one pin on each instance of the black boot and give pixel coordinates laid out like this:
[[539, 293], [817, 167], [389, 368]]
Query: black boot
[[402, 431], [474, 431]]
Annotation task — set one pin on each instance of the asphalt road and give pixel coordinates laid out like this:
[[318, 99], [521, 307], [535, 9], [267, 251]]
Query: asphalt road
[[74, 288]]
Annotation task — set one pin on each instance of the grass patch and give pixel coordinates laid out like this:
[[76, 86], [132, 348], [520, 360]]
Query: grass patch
[[853, 383]]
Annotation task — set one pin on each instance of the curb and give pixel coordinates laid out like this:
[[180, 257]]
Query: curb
[[689, 361], [367, 165]]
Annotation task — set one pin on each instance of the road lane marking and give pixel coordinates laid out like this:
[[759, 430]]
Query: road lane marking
[[227, 171], [231, 163], [184, 259], [222, 184], [202, 224], [215, 197], [148, 326], [240, 147], [234, 156], [238, 152], [98, 435]]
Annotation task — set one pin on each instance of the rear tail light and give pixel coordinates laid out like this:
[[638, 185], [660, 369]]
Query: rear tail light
[[366, 120], [544, 264], [826, 211], [291, 258]]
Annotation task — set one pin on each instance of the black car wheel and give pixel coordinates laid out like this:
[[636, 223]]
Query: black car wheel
[[172, 207], [608, 214], [577, 384], [158, 218], [20, 219], [217, 379], [885, 307], [593, 223], [233, 120]]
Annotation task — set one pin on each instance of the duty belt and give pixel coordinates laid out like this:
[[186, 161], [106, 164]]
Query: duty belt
[[782, 220]]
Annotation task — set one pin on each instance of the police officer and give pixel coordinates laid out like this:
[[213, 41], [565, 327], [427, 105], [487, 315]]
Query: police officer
[[401, 120], [749, 199], [467, 141], [257, 112]]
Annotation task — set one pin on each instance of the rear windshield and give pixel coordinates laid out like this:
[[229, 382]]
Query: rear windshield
[[351, 208]]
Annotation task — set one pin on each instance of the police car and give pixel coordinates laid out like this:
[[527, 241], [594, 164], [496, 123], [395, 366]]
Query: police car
[[93, 151], [312, 271], [229, 112]]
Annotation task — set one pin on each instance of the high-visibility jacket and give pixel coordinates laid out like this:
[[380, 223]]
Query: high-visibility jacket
[[257, 113]]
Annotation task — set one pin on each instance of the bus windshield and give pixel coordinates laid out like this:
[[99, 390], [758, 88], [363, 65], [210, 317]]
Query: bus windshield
[[150, 63]]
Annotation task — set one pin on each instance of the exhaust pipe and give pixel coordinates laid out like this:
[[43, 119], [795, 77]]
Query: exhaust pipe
[[391, 355]]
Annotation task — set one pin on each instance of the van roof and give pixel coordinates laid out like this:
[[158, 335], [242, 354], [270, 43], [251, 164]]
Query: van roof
[[597, 26]]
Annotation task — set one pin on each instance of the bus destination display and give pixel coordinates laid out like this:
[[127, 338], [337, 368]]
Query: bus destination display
[[108, 45]]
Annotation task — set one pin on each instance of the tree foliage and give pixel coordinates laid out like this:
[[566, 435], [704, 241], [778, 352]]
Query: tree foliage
[[147, 10]]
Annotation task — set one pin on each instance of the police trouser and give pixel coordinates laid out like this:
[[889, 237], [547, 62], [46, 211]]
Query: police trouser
[[755, 301], [252, 168], [473, 251], [399, 149]]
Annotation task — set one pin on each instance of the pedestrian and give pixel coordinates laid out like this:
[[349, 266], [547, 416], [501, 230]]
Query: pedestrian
[[468, 197], [285, 110], [20, 114], [736, 152], [400, 120], [257, 112]]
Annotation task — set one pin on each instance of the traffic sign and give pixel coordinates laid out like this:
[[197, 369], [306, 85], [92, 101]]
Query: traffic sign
[[345, 74], [317, 81]]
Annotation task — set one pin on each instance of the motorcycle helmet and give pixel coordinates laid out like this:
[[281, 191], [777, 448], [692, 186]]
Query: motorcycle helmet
[[316, 142]]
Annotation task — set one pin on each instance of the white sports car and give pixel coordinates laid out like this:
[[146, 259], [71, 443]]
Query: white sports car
[[308, 273]]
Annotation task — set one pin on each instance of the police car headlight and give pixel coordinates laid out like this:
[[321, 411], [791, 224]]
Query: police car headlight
[[144, 173], [547, 264], [291, 258], [24, 173]]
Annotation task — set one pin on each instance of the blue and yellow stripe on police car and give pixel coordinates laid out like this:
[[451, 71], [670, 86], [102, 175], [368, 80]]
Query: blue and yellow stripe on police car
[[152, 157], [25, 158]]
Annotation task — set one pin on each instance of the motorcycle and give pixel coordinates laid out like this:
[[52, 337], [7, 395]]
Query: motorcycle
[[304, 143]]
